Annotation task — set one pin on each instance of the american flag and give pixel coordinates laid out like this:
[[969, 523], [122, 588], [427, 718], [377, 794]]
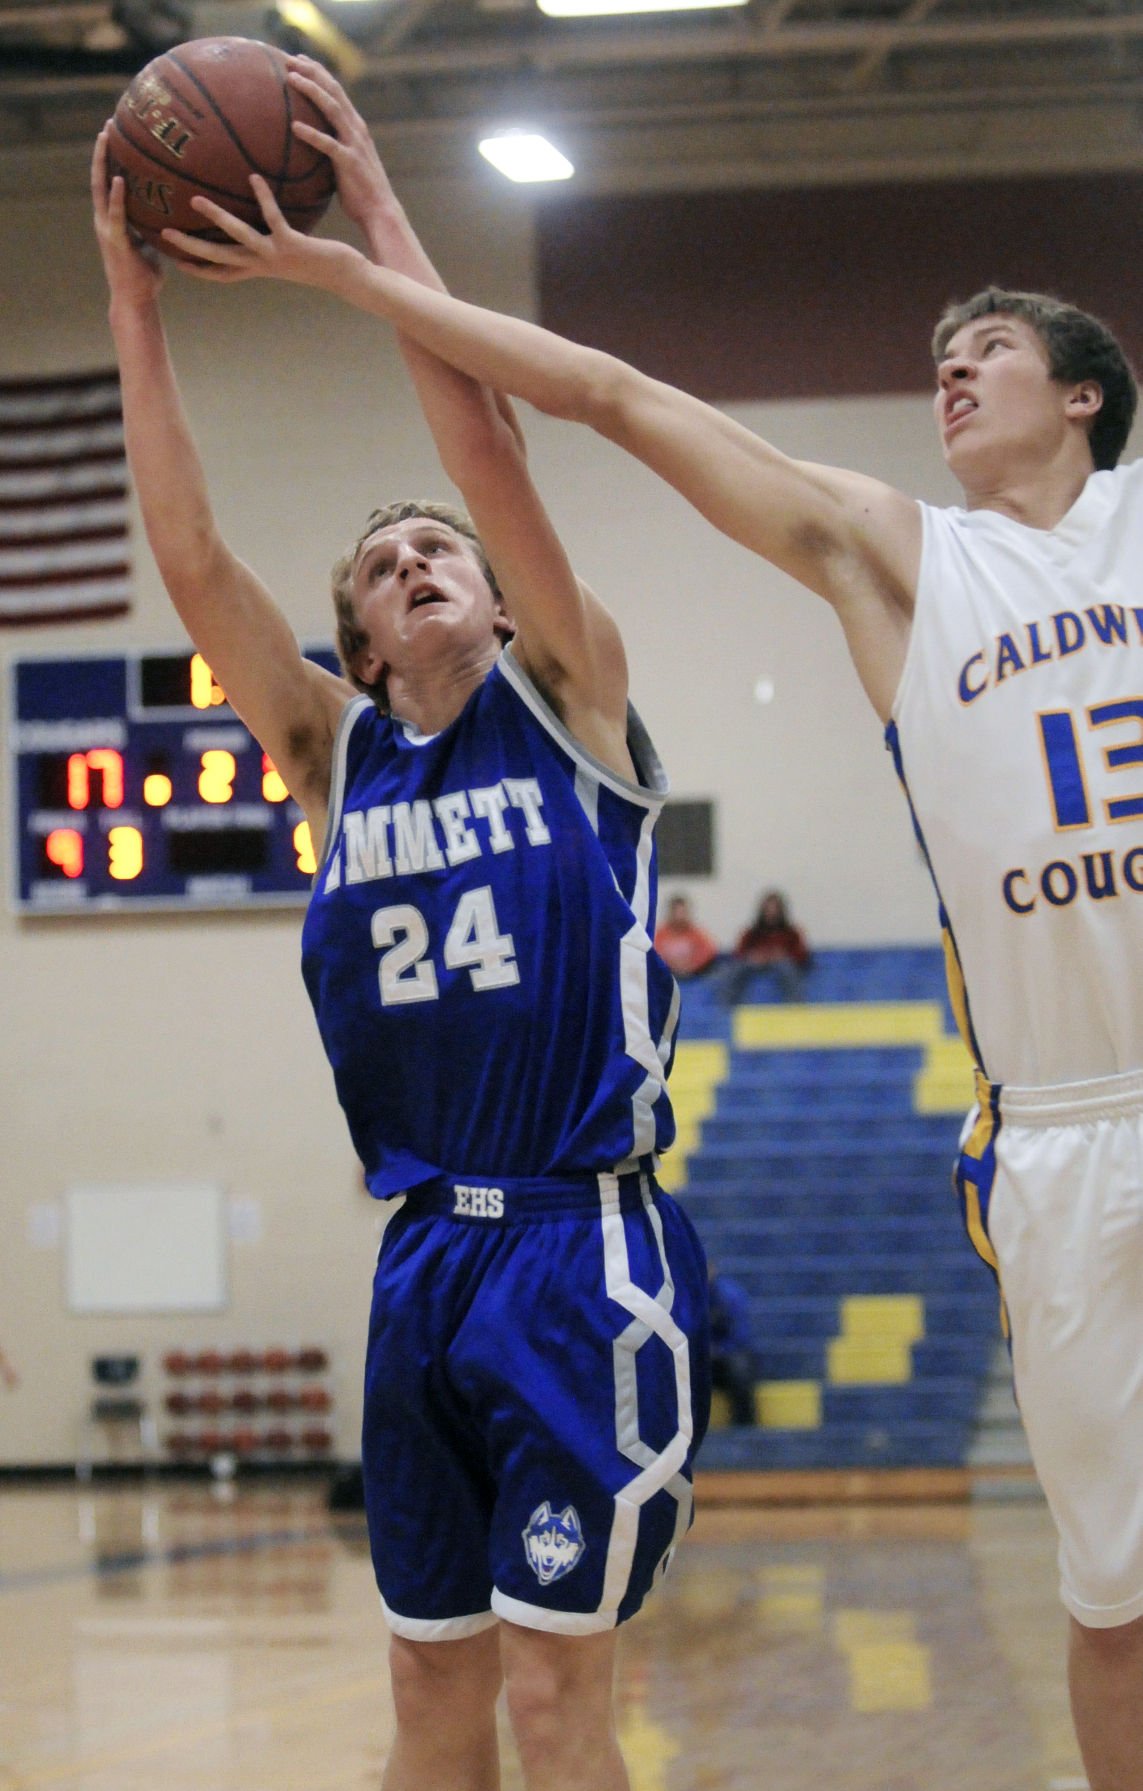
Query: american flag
[[63, 500]]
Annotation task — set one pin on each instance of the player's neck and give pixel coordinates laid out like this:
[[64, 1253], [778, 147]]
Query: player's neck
[[432, 698], [1040, 496]]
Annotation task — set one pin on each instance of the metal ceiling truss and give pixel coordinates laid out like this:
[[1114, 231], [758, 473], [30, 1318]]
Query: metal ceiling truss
[[781, 90]]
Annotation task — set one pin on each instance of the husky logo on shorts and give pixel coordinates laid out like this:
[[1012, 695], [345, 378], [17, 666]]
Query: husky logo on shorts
[[553, 1542]]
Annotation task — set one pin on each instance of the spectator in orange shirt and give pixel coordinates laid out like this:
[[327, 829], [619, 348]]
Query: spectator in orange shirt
[[682, 944]]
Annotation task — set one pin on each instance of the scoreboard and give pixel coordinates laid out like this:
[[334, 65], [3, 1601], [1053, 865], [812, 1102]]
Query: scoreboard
[[136, 786]]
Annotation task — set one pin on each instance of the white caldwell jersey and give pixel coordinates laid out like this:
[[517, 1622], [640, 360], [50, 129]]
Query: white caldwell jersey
[[1018, 733]]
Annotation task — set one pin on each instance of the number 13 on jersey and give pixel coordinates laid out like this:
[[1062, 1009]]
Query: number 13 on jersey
[[1070, 804]]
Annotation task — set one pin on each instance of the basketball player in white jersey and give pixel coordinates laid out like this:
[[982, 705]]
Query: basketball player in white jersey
[[1002, 646]]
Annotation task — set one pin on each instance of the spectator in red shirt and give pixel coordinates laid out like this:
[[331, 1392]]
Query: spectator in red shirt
[[771, 942], [681, 943]]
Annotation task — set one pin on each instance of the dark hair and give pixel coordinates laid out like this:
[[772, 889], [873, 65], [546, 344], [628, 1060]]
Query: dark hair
[[760, 919], [350, 635], [1079, 347]]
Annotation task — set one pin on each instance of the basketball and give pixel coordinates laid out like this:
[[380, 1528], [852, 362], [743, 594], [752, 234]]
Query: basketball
[[202, 118]]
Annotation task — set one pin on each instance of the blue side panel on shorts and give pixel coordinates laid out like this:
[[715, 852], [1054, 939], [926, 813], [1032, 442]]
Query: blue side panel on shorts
[[478, 947], [975, 1171]]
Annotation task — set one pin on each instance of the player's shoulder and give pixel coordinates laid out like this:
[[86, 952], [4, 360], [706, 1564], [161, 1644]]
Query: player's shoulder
[[1110, 505], [1124, 480]]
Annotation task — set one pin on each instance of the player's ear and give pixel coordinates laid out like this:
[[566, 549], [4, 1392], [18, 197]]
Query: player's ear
[[1085, 400], [369, 665], [502, 622]]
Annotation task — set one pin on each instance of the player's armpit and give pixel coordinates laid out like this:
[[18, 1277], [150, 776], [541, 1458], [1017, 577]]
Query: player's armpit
[[877, 527]]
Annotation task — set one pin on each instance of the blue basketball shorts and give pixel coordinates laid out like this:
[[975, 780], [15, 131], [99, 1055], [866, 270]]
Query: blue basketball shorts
[[537, 1383]]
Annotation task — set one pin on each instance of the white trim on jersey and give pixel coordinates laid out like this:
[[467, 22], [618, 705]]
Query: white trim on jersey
[[651, 794], [650, 1316], [635, 1003], [345, 724], [587, 793]]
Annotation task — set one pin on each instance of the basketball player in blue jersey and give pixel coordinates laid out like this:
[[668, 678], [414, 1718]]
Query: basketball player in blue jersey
[[1002, 646], [478, 953]]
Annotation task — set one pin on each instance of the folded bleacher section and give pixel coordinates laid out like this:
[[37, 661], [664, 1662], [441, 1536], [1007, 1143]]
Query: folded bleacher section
[[815, 1150]]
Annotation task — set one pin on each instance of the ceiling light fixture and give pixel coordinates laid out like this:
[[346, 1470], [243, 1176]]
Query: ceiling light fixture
[[525, 155], [582, 9]]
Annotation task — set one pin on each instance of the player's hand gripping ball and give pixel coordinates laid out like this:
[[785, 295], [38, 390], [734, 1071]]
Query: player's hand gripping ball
[[202, 118]]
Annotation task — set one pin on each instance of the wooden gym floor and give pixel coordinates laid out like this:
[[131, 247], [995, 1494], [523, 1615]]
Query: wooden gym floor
[[179, 1637]]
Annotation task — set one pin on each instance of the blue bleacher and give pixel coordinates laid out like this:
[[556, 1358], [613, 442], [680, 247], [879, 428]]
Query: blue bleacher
[[889, 973], [814, 1180]]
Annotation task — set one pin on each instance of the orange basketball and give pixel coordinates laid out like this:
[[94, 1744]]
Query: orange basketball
[[202, 118]]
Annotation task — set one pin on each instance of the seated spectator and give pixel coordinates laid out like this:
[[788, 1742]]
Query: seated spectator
[[770, 943], [681, 943], [732, 1364]]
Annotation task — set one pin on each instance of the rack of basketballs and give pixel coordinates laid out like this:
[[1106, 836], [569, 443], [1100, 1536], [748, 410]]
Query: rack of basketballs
[[268, 1405]]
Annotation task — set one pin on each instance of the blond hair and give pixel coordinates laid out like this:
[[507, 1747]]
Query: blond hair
[[351, 637]]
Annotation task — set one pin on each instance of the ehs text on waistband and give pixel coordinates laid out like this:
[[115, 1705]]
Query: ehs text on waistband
[[478, 1203]]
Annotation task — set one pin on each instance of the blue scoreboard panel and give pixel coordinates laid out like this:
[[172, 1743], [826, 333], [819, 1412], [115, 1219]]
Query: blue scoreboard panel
[[136, 786]]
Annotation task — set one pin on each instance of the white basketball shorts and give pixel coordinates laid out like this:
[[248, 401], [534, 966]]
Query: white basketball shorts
[[1064, 1215]]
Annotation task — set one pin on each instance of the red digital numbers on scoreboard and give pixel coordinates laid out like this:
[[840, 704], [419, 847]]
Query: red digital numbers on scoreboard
[[101, 762], [63, 847]]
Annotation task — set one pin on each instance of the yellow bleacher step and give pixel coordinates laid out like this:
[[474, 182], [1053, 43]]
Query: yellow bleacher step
[[778, 1405], [875, 1343], [892, 1317], [699, 1061], [944, 1083], [700, 1066], [788, 1405], [854, 1362], [838, 1024]]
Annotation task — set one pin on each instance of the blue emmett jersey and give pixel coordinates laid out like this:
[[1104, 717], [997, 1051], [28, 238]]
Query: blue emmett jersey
[[478, 949]]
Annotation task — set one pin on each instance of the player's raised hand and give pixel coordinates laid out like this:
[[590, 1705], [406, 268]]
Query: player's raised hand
[[133, 272], [277, 253], [362, 183]]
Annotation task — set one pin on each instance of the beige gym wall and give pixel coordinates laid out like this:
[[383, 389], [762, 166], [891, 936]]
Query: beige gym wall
[[156, 1049]]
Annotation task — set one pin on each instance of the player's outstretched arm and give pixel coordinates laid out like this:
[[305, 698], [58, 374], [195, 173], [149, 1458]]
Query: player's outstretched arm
[[853, 540], [368, 200], [289, 704], [565, 638]]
